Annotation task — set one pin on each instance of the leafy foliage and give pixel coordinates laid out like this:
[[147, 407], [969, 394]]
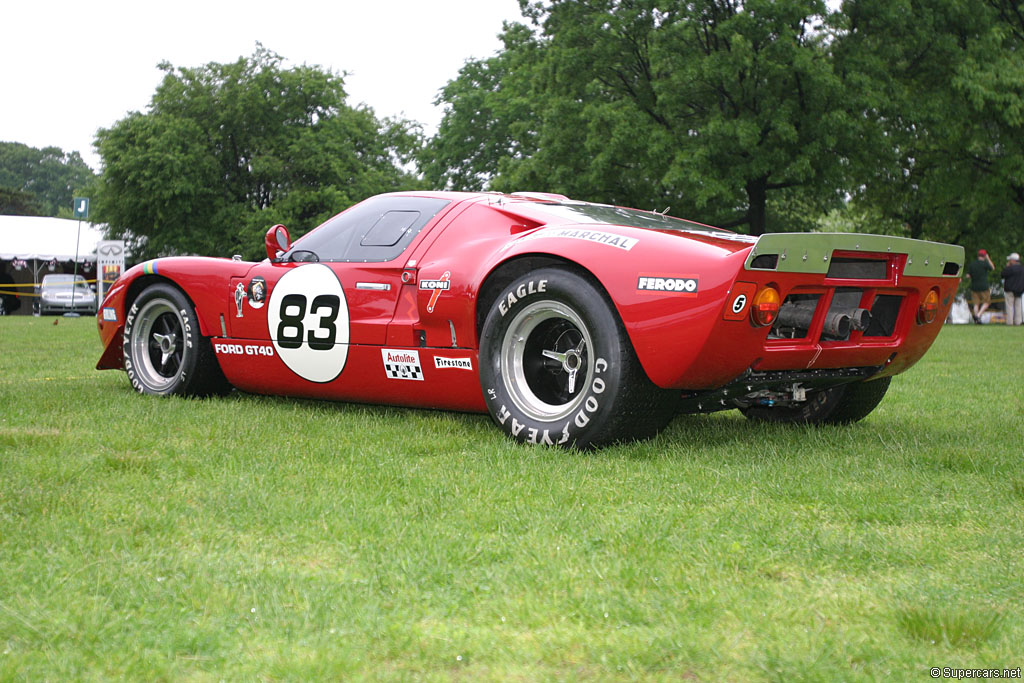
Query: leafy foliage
[[706, 106], [906, 115], [226, 150], [40, 182], [942, 84]]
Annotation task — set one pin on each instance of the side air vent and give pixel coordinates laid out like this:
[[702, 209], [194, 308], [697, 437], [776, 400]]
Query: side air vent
[[765, 262]]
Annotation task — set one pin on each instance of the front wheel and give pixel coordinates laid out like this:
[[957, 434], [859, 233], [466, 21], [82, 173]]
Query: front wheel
[[557, 367], [164, 354], [841, 404]]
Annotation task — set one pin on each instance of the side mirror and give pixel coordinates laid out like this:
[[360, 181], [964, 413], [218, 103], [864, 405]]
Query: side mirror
[[277, 241]]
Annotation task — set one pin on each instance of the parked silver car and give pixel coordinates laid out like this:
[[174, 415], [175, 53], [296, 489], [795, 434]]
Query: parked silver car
[[63, 293]]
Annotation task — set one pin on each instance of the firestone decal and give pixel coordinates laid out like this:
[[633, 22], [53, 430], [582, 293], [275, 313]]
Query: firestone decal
[[668, 285], [402, 364], [308, 322], [442, 363]]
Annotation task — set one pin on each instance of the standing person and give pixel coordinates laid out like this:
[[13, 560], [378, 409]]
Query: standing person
[[1013, 287], [977, 271]]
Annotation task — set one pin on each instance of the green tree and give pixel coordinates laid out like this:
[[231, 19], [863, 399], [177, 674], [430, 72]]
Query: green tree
[[226, 150], [941, 83], [44, 181], [708, 107]]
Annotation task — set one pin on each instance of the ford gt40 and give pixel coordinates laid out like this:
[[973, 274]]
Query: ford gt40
[[570, 323]]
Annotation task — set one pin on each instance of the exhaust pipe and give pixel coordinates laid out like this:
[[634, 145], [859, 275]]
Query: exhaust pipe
[[838, 323]]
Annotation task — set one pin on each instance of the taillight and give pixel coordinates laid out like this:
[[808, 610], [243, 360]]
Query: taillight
[[929, 307], [765, 309]]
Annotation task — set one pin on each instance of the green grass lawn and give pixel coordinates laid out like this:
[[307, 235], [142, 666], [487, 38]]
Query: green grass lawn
[[254, 537]]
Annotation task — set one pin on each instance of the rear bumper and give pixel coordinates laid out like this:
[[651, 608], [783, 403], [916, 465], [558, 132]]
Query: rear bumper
[[888, 276]]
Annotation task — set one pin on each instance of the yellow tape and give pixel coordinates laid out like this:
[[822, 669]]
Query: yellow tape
[[29, 284]]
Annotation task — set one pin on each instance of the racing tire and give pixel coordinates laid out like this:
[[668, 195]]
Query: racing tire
[[164, 353], [841, 404], [557, 367]]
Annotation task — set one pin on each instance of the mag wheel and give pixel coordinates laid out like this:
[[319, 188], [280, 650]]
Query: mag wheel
[[163, 351], [836, 405], [557, 367]]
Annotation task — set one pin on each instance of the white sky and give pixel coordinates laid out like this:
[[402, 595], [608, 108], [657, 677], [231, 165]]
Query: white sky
[[69, 68]]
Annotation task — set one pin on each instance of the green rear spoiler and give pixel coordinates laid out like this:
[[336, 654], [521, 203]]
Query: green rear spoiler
[[811, 252]]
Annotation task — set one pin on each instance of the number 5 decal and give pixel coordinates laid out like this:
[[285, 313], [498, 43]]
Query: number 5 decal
[[307, 319]]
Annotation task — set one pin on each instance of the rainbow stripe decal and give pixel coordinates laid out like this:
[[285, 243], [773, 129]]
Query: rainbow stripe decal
[[149, 268]]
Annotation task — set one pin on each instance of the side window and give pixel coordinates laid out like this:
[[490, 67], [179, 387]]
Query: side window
[[378, 229]]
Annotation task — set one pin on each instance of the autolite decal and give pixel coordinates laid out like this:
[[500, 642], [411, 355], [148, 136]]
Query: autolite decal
[[402, 364], [667, 285]]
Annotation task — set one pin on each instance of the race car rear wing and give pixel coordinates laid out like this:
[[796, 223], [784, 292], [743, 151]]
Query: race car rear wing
[[816, 253]]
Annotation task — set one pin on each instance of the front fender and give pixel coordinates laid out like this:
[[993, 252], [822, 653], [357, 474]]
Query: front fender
[[205, 281]]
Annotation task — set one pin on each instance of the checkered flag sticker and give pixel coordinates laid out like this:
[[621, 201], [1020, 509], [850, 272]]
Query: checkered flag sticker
[[402, 364]]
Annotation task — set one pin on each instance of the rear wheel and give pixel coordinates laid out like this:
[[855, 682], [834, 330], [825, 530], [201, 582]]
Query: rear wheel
[[836, 405], [557, 367], [164, 353]]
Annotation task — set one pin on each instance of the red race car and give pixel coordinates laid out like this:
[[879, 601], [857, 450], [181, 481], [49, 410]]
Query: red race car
[[571, 323]]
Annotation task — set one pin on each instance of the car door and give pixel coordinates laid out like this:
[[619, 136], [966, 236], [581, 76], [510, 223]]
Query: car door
[[333, 291]]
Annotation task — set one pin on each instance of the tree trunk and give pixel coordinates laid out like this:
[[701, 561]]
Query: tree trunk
[[757, 196]]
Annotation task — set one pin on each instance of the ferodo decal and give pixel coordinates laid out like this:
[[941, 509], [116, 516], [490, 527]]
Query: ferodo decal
[[442, 363], [579, 420], [606, 238], [525, 289], [683, 285], [402, 364], [307, 319], [441, 284]]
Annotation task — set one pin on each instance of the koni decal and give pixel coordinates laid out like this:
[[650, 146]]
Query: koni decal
[[441, 284]]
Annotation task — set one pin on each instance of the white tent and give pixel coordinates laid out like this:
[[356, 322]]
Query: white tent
[[45, 239]]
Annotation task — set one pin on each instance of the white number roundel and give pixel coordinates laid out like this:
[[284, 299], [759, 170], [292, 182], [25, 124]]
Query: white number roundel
[[307, 318]]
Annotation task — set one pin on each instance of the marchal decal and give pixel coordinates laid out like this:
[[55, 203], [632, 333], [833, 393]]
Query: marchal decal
[[609, 239]]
